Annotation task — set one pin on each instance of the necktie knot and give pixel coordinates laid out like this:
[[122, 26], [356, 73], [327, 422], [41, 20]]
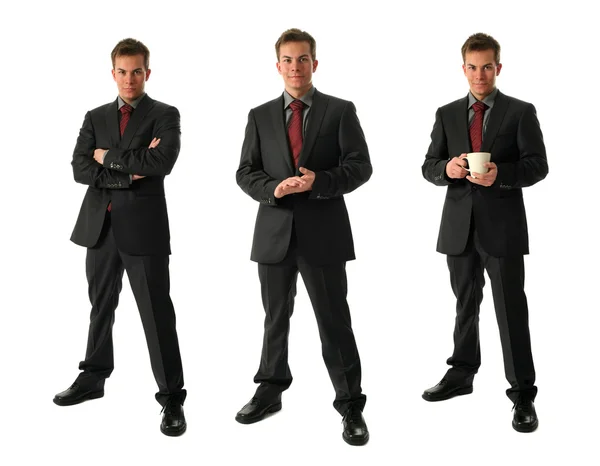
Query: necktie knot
[[297, 105], [126, 109], [479, 107]]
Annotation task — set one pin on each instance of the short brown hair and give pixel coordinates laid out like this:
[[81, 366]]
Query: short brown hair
[[296, 35], [481, 41], [131, 47]]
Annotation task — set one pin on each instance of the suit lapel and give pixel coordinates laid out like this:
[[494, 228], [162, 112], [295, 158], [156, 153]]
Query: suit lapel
[[278, 122], [495, 121], [112, 124], [462, 123], [137, 117], [315, 118]]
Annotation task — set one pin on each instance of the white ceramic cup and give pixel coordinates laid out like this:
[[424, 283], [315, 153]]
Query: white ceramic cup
[[476, 161]]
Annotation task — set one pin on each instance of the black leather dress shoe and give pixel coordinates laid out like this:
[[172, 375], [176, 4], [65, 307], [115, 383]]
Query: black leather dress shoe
[[355, 428], [76, 394], [525, 418], [256, 410], [173, 421], [446, 390]]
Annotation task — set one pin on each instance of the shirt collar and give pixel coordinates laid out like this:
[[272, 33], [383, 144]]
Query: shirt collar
[[134, 103], [488, 100], [307, 98]]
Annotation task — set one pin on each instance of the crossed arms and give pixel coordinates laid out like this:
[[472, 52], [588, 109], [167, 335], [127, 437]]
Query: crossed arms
[[120, 167]]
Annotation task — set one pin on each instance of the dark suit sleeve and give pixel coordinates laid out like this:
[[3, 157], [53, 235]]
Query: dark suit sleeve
[[86, 170], [355, 165], [151, 162], [436, 159], [250, 175], [532, 165]]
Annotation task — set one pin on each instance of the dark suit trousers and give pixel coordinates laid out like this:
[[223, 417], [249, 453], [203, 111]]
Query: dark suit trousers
[[149, 279], [507, 276], [327, 289]]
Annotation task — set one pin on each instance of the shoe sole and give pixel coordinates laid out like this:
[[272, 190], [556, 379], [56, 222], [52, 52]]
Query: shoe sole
[[528, 428], [173, 433], [457, 392], [356, 442], [271, 409], [91, 396]]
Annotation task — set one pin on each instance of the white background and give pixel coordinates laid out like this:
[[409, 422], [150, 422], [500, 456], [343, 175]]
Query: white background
[[398, 65]]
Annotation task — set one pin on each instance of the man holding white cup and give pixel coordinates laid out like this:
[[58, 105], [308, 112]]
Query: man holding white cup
[[483, 222]]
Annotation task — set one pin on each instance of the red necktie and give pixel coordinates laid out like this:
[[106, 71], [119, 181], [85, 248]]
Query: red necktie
[[125, 115], [476, 128], [295, 130]]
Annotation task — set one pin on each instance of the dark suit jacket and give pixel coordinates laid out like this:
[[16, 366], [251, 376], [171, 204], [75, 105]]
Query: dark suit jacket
[[334, 148], [514, 139], [138, 209]]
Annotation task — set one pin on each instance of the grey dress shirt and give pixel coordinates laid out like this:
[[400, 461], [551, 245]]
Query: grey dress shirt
[[307, 99], [489, 101]]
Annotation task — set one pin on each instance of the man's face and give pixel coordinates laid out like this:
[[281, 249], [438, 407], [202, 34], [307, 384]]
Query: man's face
[[296, 66], [481, 69], [131, 75]]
